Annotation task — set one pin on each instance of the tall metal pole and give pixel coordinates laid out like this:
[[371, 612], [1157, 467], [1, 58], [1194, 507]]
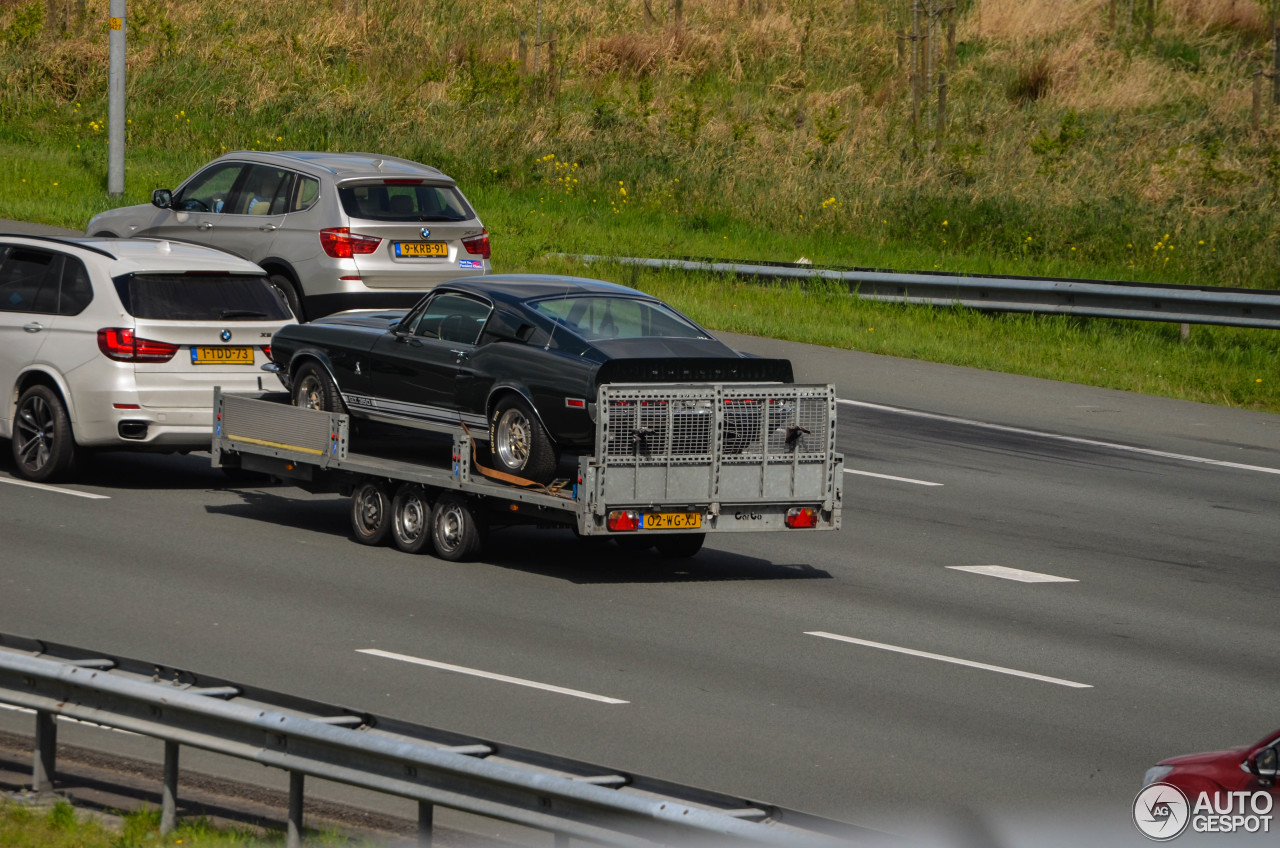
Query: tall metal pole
[[115, 99]]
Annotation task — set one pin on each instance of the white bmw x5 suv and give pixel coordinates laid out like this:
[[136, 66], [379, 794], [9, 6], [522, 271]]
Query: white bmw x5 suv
[[118, 343]]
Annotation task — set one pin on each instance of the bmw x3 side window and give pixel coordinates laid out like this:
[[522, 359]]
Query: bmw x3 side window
[[29, 281], [263, 191], [306, 191], [209, 190]]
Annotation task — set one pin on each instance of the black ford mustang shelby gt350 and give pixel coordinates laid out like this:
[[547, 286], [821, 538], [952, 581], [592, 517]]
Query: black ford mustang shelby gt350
[[518, 357]]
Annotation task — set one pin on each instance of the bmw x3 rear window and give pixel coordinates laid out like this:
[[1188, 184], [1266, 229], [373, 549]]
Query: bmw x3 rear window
[[404, 201], [201, 297]]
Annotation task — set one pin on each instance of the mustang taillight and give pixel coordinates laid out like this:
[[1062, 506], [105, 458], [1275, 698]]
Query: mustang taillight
[[120, 344], [623, 519], [478, 245], [341, 243], [802, 516]]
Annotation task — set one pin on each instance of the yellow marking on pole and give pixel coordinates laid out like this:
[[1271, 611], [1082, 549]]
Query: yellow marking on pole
[[117, 23]]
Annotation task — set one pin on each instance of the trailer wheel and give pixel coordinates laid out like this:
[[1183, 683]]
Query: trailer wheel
[[454, 529], [410, 518], [680, 545], [634, 544], [371, 512]]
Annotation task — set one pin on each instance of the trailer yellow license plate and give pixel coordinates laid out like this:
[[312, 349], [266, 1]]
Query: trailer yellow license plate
[[221, 356], [422, 248], [672, 520]]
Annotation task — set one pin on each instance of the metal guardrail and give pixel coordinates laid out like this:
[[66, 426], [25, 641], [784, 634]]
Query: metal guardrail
[[433, 767], [1092, 298]]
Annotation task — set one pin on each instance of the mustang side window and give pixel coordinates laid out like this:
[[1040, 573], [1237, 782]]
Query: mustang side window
[[453, 318]]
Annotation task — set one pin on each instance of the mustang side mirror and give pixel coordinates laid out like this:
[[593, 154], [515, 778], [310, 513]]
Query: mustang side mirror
[[1264, 763], [162, 198]]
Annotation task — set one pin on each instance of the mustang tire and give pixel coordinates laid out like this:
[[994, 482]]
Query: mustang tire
[[313, 388], [454, 529], [411, 519], [518, 444], [44, 448], [371, 512]]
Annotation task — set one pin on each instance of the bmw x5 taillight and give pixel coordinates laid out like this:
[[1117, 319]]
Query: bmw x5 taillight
[[120, 344]]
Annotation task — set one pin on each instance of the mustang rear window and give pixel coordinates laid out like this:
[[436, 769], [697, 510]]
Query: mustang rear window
[[400, 202], [200, 297], [593, 318]]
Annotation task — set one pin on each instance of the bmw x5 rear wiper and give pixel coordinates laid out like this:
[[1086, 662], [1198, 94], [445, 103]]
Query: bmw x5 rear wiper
[[242, 313]]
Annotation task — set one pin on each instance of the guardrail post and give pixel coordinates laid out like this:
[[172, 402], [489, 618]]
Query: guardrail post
[[294, 839], [426, 816], [45, 759], [169, 792]]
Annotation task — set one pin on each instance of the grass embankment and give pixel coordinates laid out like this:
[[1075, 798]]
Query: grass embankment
[[61, 826], [1073, 145]]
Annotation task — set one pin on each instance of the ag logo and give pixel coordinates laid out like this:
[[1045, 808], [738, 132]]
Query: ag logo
[[1161, 811]]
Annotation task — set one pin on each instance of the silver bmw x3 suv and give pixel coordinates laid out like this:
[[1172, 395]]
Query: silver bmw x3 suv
[[334, 230]]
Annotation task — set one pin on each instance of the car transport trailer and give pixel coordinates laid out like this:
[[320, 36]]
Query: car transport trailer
[[672, 463]]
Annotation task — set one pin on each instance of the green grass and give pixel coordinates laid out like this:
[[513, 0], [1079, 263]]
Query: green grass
[[61, 826], [738, 131]]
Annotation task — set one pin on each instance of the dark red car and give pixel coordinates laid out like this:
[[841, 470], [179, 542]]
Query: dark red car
[[1248, 768]]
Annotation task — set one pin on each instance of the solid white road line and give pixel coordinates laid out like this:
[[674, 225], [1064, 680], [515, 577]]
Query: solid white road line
[[942, 658], [1021, 431], [488, 675], [1012, 574], [15, 482], [891, 477]]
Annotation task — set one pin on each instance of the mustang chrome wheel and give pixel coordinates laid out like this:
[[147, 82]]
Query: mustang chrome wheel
[[512, 438]]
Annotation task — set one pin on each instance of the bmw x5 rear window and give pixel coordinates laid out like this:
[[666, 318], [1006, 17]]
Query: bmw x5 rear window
[[404, 201], [201, 297]]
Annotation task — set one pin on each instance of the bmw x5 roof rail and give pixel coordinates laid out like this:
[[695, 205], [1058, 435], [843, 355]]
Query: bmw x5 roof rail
[[78, 241]]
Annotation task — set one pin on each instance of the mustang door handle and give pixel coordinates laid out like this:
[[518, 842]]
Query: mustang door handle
[[33, 327], [460, 354]]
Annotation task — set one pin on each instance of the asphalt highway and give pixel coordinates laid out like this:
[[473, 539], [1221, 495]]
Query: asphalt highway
[[885, 674]]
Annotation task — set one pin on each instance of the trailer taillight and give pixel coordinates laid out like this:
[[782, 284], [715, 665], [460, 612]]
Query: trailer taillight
[[802, 516], [623, 519]]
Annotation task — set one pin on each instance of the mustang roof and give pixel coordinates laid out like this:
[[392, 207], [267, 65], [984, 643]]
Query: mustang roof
[[516, 288]]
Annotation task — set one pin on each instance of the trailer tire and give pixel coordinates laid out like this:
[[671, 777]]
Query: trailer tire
[[455, 532], [634, 544], [371, 512], [411, 519], [679, 545]]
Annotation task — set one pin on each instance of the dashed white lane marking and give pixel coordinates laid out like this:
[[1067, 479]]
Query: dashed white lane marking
[[489, 675], [1061, 438], [69, 719], [1012, 574], [891, 477], [943, 658], [15, 482]]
